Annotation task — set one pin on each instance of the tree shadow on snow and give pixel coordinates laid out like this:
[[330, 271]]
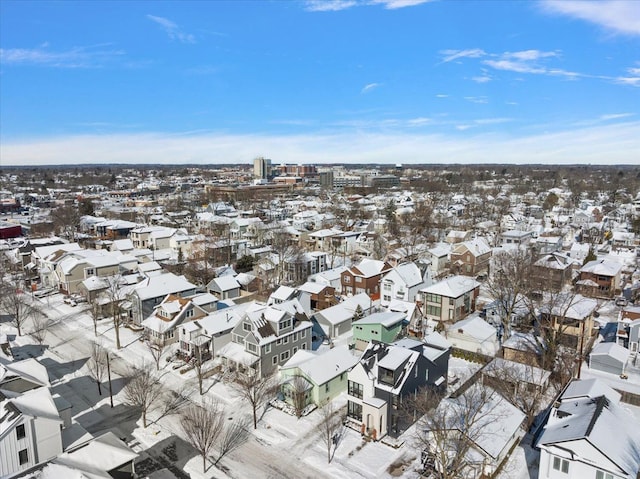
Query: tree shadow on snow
[[121, 420], [28, 351], [173, 453], [62, 369]]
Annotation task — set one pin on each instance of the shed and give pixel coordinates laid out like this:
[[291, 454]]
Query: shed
[[609, 358]]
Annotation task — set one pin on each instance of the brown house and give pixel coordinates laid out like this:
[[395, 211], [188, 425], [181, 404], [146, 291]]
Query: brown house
[[600, 279], [364, 278], [470, 258], [554, 270], [320, 296]]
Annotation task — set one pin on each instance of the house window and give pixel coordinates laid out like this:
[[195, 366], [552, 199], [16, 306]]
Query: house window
[[295, 337], [346, 279], [252, 348], [358, 279], [560, 464], [23, 457], [20, 432], [354, 410], [274, 360], [354, 389], [286, 340], [603, 475], [303, 333], [387, 297], [284, 356], [267, 348], [295, 350], [434, 310], [304, 346], [246, 326]]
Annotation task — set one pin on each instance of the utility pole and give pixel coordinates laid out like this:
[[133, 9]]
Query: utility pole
[[109, 376]]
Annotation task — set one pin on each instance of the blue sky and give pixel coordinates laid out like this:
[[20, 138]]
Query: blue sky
[[337, 81]]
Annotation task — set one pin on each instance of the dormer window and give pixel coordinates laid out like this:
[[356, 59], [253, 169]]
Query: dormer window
[[385, 376]]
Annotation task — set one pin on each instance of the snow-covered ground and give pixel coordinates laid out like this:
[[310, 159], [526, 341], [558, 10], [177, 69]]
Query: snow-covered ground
[[282, 446]]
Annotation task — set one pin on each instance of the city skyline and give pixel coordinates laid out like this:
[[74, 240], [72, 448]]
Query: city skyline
[[338, 81]]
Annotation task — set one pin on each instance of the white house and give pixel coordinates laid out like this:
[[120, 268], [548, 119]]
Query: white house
[[474, 334], [403, 282], [589, 435]]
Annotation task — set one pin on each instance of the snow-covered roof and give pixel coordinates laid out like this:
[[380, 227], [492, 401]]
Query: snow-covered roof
[[322, 368], [612, 350], [602, 267], [224, 283], [311, 287], [369, 267], [386, 319], [161, 285], [452, 287], [475, 327], [602, 422], [104, 453]]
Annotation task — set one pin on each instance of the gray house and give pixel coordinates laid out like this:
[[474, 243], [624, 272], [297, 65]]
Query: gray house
[[386, 375], [267, 336], [152, 290]]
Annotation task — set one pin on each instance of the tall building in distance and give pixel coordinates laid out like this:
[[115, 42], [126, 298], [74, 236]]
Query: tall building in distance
[[262, 168]]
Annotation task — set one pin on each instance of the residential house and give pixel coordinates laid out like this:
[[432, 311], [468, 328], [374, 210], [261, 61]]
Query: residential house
[[572, 318], [30, 423], [547, 244], [525, 348], [266, 337], [152, 290], [403, 282], [516, 238], [473, 334], [160, 326], [588, 434], [386, 375], [439, 257], [600, 278], [449, 300], [457, 236], [224, 287], [316, 296], [336, 320], [524, 379], [324, 376], [364, 277], [382, 327], [114, 229], [471, 258], [204, 337], [554, 270], [628, 332]]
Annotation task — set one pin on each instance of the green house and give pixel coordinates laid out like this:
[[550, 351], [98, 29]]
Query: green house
[[382, 327], [311, 378]]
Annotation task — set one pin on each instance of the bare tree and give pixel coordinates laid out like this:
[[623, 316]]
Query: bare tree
[[447, 430], [97, 364], [256, 390], [157, 347], [202, 426], [286, 250], [509, 283], [40, 324], [115, 296], [15, 302], [66, 219], [199, 360], [330, 427], [96, 313], [298, 388], [143, 390]]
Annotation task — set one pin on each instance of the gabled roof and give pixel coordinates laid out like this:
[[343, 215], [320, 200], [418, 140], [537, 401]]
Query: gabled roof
[[602, 267], [224, 283], [408, 273], [322, 368], [600, 421], [369, 268], [386, 319]]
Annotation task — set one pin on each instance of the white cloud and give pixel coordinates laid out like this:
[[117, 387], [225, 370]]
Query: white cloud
[[172, 29], [395, 4], [329, 5], [451, 55], [632, 78], [477, 99], [77, 57], [615, 116], [337, 5], [482, 79], [610, 143], [442, 95], [370, 87], [618, 16]]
